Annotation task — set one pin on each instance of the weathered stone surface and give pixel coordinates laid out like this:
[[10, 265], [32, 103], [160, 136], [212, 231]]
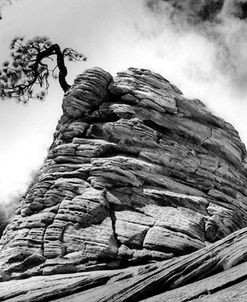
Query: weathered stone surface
[[138, 179], [169, 280]]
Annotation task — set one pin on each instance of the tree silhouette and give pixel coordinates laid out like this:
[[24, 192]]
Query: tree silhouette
[[26, 76]]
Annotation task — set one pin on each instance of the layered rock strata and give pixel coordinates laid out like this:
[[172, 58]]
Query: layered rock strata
[[136, 174]]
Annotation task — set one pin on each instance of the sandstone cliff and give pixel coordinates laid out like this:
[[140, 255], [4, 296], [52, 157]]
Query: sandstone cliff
[[143, 191]]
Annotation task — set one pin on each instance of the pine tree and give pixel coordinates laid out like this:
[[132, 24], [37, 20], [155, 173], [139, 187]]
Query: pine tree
[[32, 63]]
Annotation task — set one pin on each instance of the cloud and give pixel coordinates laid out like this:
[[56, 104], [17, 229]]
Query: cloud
[[222, 23]]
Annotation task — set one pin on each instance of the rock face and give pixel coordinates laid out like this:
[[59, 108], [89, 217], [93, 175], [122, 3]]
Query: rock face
[[140, 184]]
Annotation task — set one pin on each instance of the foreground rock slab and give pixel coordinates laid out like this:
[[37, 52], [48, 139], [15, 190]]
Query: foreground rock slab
[[142, 191], [170, 280]]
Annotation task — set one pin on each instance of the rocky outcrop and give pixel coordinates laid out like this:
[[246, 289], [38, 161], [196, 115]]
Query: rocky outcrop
[[143, 190]]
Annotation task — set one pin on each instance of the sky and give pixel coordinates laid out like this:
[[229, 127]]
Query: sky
[[206, 60]]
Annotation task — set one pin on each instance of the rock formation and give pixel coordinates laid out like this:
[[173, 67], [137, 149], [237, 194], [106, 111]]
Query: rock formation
[[143, 193]]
